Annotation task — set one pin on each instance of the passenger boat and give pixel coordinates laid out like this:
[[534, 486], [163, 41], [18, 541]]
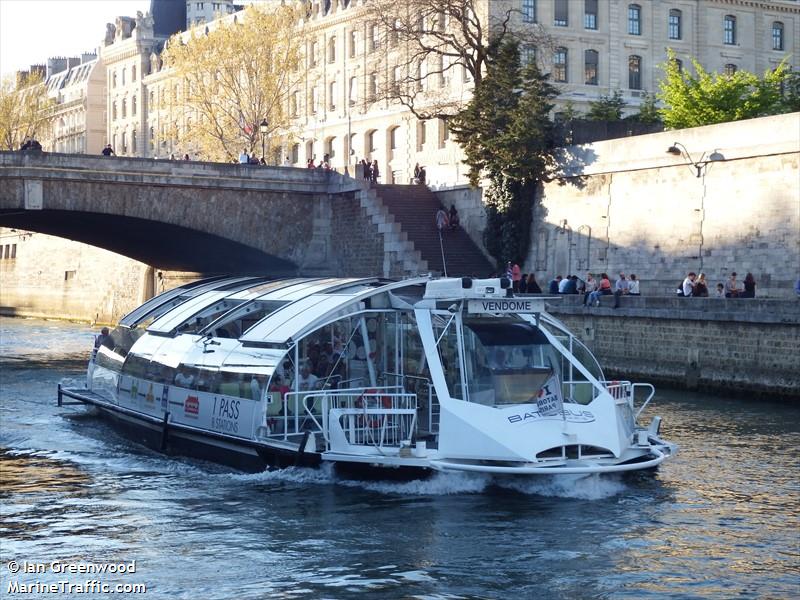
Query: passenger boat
[[413, 376]]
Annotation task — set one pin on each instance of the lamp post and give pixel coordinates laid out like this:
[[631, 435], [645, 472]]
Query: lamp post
[[678, 149], [263, 129]]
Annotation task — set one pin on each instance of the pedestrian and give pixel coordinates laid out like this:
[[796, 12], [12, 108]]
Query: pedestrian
[[620, 289], [262, 161], [186, 157], [416, 173], [453, 217], [633, 286], [287, 162], [516, 276], [441, 220], [244, 157], [310, 163], [374, 172], [523, 284], [749, 286], [365, 170], [108, 151]]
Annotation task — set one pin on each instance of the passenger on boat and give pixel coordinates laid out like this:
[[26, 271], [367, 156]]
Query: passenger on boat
[[306, 381], [184, 378], [104, 339]]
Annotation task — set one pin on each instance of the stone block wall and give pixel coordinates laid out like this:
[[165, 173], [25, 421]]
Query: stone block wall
[[53, 278], [628, 205], [737, 347]]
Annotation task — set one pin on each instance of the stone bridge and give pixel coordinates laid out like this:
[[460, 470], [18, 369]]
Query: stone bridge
[[206, 217]]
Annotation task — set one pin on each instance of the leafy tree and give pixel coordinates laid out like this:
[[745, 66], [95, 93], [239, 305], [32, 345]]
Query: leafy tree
[[568, 112], [508, 138], [23, 109], [234, 77], [648, 111], [707, 98], [607, 108]]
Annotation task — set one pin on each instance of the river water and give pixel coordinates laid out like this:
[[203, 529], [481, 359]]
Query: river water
[[719, 521]]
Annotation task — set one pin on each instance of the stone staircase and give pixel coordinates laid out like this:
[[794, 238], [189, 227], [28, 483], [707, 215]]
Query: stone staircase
[[408, 213]]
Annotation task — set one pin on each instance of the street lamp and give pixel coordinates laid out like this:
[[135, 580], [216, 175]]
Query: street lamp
[[263, 129], [678, 149]]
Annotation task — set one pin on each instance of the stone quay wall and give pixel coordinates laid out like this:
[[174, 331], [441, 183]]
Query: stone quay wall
[[746, 347], [629, 205]]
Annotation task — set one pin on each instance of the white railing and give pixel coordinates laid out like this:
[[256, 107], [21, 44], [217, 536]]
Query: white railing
[[382, 417]]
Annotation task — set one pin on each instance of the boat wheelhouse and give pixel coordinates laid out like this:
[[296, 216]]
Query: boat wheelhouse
[[421, 374]]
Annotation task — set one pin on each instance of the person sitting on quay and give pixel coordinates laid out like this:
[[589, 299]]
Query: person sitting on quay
[[552, 288], [603, 289], [687, 287], [701, 286], [620, 289], [571, 286], [720, 293], [633, 286], [533, 286], [749, 287], [732, 288], [589, 287], [562, 285]]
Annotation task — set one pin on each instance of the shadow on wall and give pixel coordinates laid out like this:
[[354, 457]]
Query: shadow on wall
[[569, 162]]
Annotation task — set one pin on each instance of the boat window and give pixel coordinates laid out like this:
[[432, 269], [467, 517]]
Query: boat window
[[445, 332], [200, 320], [507, 362], [575, 385], [241, 318], [144, 368], [109, 359]]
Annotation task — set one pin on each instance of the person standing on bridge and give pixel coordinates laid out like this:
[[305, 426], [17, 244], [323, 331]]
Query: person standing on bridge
[[244, 158], [108, 151], [374, 172]]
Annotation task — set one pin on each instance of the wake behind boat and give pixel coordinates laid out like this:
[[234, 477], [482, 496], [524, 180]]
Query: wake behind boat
[[412, 377]]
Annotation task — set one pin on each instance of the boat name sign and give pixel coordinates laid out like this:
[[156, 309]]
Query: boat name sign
[[506, 306]]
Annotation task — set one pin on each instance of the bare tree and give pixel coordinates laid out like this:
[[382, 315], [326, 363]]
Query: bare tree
[[24, 109], [424, 45]]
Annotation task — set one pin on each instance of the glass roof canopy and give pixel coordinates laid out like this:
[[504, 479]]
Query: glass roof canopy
[[299, 304]]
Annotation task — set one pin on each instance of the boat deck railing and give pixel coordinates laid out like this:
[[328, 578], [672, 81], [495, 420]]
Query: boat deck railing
[[382, 417], [584, 392]]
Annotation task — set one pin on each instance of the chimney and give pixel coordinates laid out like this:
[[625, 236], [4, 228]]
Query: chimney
[[56, 64]]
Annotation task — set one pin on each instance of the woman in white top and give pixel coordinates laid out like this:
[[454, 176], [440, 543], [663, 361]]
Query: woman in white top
[[633, 286]]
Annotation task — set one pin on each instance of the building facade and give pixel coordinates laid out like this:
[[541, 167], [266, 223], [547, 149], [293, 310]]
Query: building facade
[[593, 48], [77, 87]]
